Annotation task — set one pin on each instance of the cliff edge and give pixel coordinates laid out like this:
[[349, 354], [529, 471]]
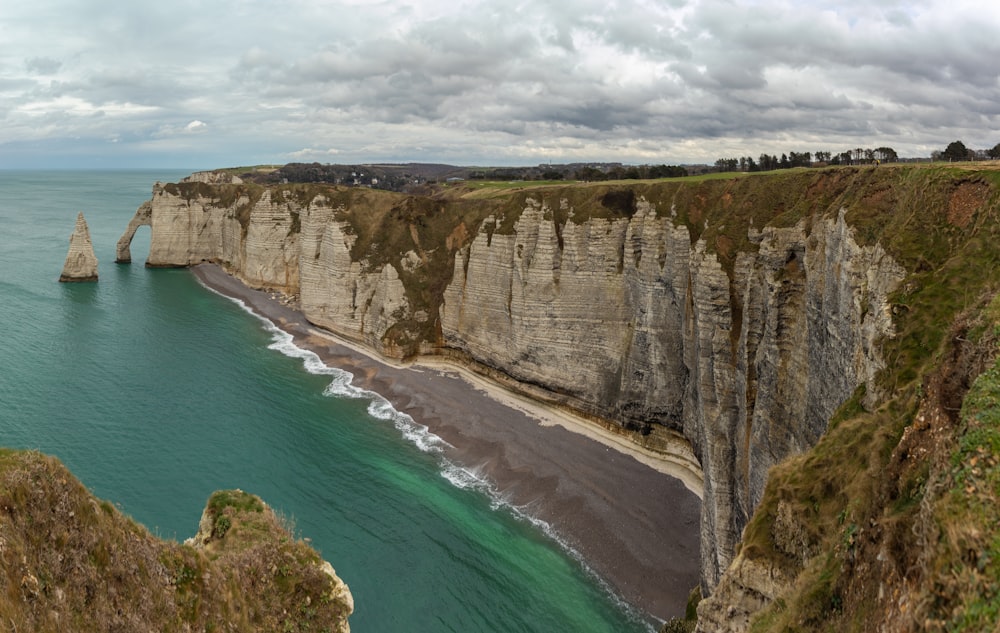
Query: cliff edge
[[70, 562], [758, 318]]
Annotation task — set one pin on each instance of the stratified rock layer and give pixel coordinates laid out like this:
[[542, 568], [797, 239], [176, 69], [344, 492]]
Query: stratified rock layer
[[628, 319], [81, 263], [657, 310]]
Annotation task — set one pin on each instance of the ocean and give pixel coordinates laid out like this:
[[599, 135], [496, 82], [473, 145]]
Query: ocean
[[155, 392]]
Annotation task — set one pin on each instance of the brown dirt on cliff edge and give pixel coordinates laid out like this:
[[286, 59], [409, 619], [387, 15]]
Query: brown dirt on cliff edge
[[967, 198]]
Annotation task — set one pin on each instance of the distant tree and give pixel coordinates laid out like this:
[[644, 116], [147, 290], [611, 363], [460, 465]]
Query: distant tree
[[666, 171], [751, 165], [590, 173], [726, 164], [659, 171], [822, 157], [886, 154], [768, 163], [955, 151], [994, 152], [799, 159]]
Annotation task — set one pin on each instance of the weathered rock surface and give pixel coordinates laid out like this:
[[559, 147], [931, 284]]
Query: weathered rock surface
[[81, 263], [628, 320], [746, 588], [142, 217], [623, 311]]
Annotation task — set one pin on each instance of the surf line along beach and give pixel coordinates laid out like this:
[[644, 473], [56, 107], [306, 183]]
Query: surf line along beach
[[631, 517]]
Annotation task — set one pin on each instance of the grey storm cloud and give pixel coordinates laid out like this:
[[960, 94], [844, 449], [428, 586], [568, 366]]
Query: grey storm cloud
[[242, 81]]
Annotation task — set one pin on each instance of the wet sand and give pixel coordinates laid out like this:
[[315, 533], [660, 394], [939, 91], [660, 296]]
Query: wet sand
[[632, 523]]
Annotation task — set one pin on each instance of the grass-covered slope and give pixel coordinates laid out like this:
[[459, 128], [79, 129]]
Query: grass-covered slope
[[70, 562], [892, 521]]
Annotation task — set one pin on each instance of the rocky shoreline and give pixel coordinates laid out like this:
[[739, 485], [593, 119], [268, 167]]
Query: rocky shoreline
[[591, 488]]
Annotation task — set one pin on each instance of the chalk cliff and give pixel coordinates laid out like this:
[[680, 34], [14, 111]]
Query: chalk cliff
[[738, 314], [629, 319], [81, 263]]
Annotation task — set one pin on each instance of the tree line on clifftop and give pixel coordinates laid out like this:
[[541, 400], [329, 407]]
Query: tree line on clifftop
[[410, 177], [956, 151], [418, 177]]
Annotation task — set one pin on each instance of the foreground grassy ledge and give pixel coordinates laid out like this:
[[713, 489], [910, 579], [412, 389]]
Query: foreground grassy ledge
[[70, 562]]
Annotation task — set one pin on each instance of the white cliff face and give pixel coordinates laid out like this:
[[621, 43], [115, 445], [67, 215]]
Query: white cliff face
[[187, 230], [345, 296], [539, 310], [628, 320], [270, 251], [625, 317], [270, 239], [81, 263]]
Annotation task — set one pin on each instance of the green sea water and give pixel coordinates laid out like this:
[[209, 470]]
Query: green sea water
[[155, 391]]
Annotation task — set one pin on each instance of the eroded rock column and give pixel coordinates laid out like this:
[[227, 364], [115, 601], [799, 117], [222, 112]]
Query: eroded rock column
[[81, 263]]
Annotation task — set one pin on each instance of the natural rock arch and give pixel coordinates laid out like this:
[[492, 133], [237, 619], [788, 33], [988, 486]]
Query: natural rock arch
[[142, 217]]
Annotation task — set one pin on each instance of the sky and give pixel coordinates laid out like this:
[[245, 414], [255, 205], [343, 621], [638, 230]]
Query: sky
[[222, 83]]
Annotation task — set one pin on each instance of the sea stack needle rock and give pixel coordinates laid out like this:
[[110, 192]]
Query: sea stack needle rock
[[81, 263]]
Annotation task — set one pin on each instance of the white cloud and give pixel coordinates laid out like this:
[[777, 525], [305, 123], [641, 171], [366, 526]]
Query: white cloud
[[479, 81], [75, 106], [310, 154]]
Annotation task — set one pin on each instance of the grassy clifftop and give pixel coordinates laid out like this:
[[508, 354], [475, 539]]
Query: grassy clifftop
[[70, 562]]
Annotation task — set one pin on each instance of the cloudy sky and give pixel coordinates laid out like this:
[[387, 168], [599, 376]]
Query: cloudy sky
[[195, 83]]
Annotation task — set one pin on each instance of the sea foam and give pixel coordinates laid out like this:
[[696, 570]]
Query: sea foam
[[341, 386]]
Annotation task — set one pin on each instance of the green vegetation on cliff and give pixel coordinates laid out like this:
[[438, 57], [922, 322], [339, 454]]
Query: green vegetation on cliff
[[69, 562], [891, 519]]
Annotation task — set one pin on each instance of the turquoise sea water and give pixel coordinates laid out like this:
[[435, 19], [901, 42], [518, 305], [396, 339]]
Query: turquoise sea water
[[154, 391]]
